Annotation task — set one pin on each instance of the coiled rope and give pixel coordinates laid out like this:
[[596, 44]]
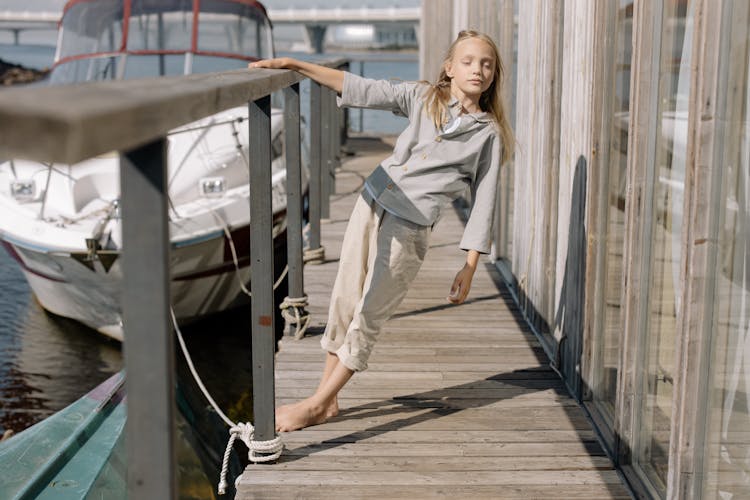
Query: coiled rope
[[314, 255], [260, 451]]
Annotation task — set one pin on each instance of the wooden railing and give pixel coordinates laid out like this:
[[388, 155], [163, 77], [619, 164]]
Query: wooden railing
[[68, 124]]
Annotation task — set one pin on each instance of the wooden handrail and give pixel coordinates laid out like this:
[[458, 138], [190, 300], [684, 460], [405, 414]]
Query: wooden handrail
[[70, 123]]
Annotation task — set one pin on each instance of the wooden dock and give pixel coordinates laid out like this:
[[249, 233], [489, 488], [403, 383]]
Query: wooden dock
[[459, 401]]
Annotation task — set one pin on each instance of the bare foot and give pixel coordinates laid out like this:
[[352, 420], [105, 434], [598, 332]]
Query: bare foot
[[300, 415], [333, 409]]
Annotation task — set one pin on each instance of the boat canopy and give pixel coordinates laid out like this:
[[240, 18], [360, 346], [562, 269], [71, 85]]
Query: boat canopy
[[112, 39]]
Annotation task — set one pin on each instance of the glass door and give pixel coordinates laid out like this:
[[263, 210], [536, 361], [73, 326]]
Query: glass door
[[662, 299]]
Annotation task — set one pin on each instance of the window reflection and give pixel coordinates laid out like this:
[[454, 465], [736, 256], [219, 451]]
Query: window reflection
[[727, 448], [652, 448], [608, 355]]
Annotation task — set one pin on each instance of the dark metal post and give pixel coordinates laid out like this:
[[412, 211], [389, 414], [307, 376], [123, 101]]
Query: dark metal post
[[149, 345], [361, 110], [325, 153], [344, 117], [315, 164], [293, 190], [261, 270]]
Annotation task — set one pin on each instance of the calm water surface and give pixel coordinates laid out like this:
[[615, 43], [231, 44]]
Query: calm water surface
[[46, 362]]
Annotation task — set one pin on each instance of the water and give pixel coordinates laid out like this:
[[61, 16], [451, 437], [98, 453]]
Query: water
[[47, 362]]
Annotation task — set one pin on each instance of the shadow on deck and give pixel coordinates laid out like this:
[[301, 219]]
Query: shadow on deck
[[459, 401]]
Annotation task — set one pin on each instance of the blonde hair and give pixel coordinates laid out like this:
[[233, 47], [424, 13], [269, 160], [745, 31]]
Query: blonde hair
[[438, 94]]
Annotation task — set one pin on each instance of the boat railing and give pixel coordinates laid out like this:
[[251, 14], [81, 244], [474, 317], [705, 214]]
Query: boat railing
[[71, 123]]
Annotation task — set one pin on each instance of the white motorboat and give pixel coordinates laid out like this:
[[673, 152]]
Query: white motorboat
[[61, 222]]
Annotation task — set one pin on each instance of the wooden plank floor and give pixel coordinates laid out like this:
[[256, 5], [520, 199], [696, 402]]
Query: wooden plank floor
[[459, 401]]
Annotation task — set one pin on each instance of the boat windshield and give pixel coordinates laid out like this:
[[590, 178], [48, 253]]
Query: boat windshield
[[115, 39]]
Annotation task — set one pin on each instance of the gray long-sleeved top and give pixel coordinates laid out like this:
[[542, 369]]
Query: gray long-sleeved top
[[429, 167]]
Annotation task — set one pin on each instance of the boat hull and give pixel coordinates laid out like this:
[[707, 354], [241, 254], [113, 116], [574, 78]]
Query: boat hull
[[206, 278]]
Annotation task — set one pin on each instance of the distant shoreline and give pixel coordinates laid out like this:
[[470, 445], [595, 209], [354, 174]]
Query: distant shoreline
[[16, 74]]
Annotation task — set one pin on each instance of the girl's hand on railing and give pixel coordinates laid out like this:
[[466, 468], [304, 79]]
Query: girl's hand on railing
[[330, 77], [276, 63]]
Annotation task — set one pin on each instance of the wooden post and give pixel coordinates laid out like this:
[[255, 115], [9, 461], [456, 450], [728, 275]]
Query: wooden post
[[149, 344], [261, 270]]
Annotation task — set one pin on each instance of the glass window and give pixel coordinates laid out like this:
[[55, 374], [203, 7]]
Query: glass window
[[87, 69], [663, 304], [231, 26], [160, 27], [90, 28], [211, 64], [605, 390], [727, 450], [148, 66]]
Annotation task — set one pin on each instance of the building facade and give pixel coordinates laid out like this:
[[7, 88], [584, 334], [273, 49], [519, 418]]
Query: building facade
[[623, 224]]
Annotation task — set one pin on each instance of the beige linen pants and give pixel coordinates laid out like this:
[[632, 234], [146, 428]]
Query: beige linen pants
[[380, 257]]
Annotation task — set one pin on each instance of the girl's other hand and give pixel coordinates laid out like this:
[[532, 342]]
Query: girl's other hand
[[461, 285]]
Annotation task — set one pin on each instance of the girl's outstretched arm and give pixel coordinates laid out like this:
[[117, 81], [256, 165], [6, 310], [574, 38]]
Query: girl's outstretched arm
[[462, 282], [331, 78]]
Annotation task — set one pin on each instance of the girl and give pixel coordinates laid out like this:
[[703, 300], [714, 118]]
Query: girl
[[458, 136]]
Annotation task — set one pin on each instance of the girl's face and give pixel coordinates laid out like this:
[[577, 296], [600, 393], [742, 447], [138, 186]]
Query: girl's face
[[472, 68]]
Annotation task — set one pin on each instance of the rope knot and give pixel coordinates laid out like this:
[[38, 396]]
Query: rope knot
[[260, 451], [293, 311], [243, 430]]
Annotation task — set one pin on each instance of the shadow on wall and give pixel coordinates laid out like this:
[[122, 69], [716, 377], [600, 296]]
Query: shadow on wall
[[569, 317]]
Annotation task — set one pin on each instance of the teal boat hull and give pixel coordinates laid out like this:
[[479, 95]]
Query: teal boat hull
[[80, 453], [72, 454]]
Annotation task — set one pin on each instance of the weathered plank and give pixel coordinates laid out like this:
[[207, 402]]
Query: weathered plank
[[427, 492]]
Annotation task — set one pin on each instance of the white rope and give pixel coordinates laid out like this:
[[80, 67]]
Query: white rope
[[235, 260], [294, 312], [259, 451], [314, 255]]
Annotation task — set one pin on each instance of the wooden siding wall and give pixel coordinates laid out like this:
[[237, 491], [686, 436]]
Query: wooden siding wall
[[504, 214], [575, 163], [443, 19], [436, 34], [536, 162]]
